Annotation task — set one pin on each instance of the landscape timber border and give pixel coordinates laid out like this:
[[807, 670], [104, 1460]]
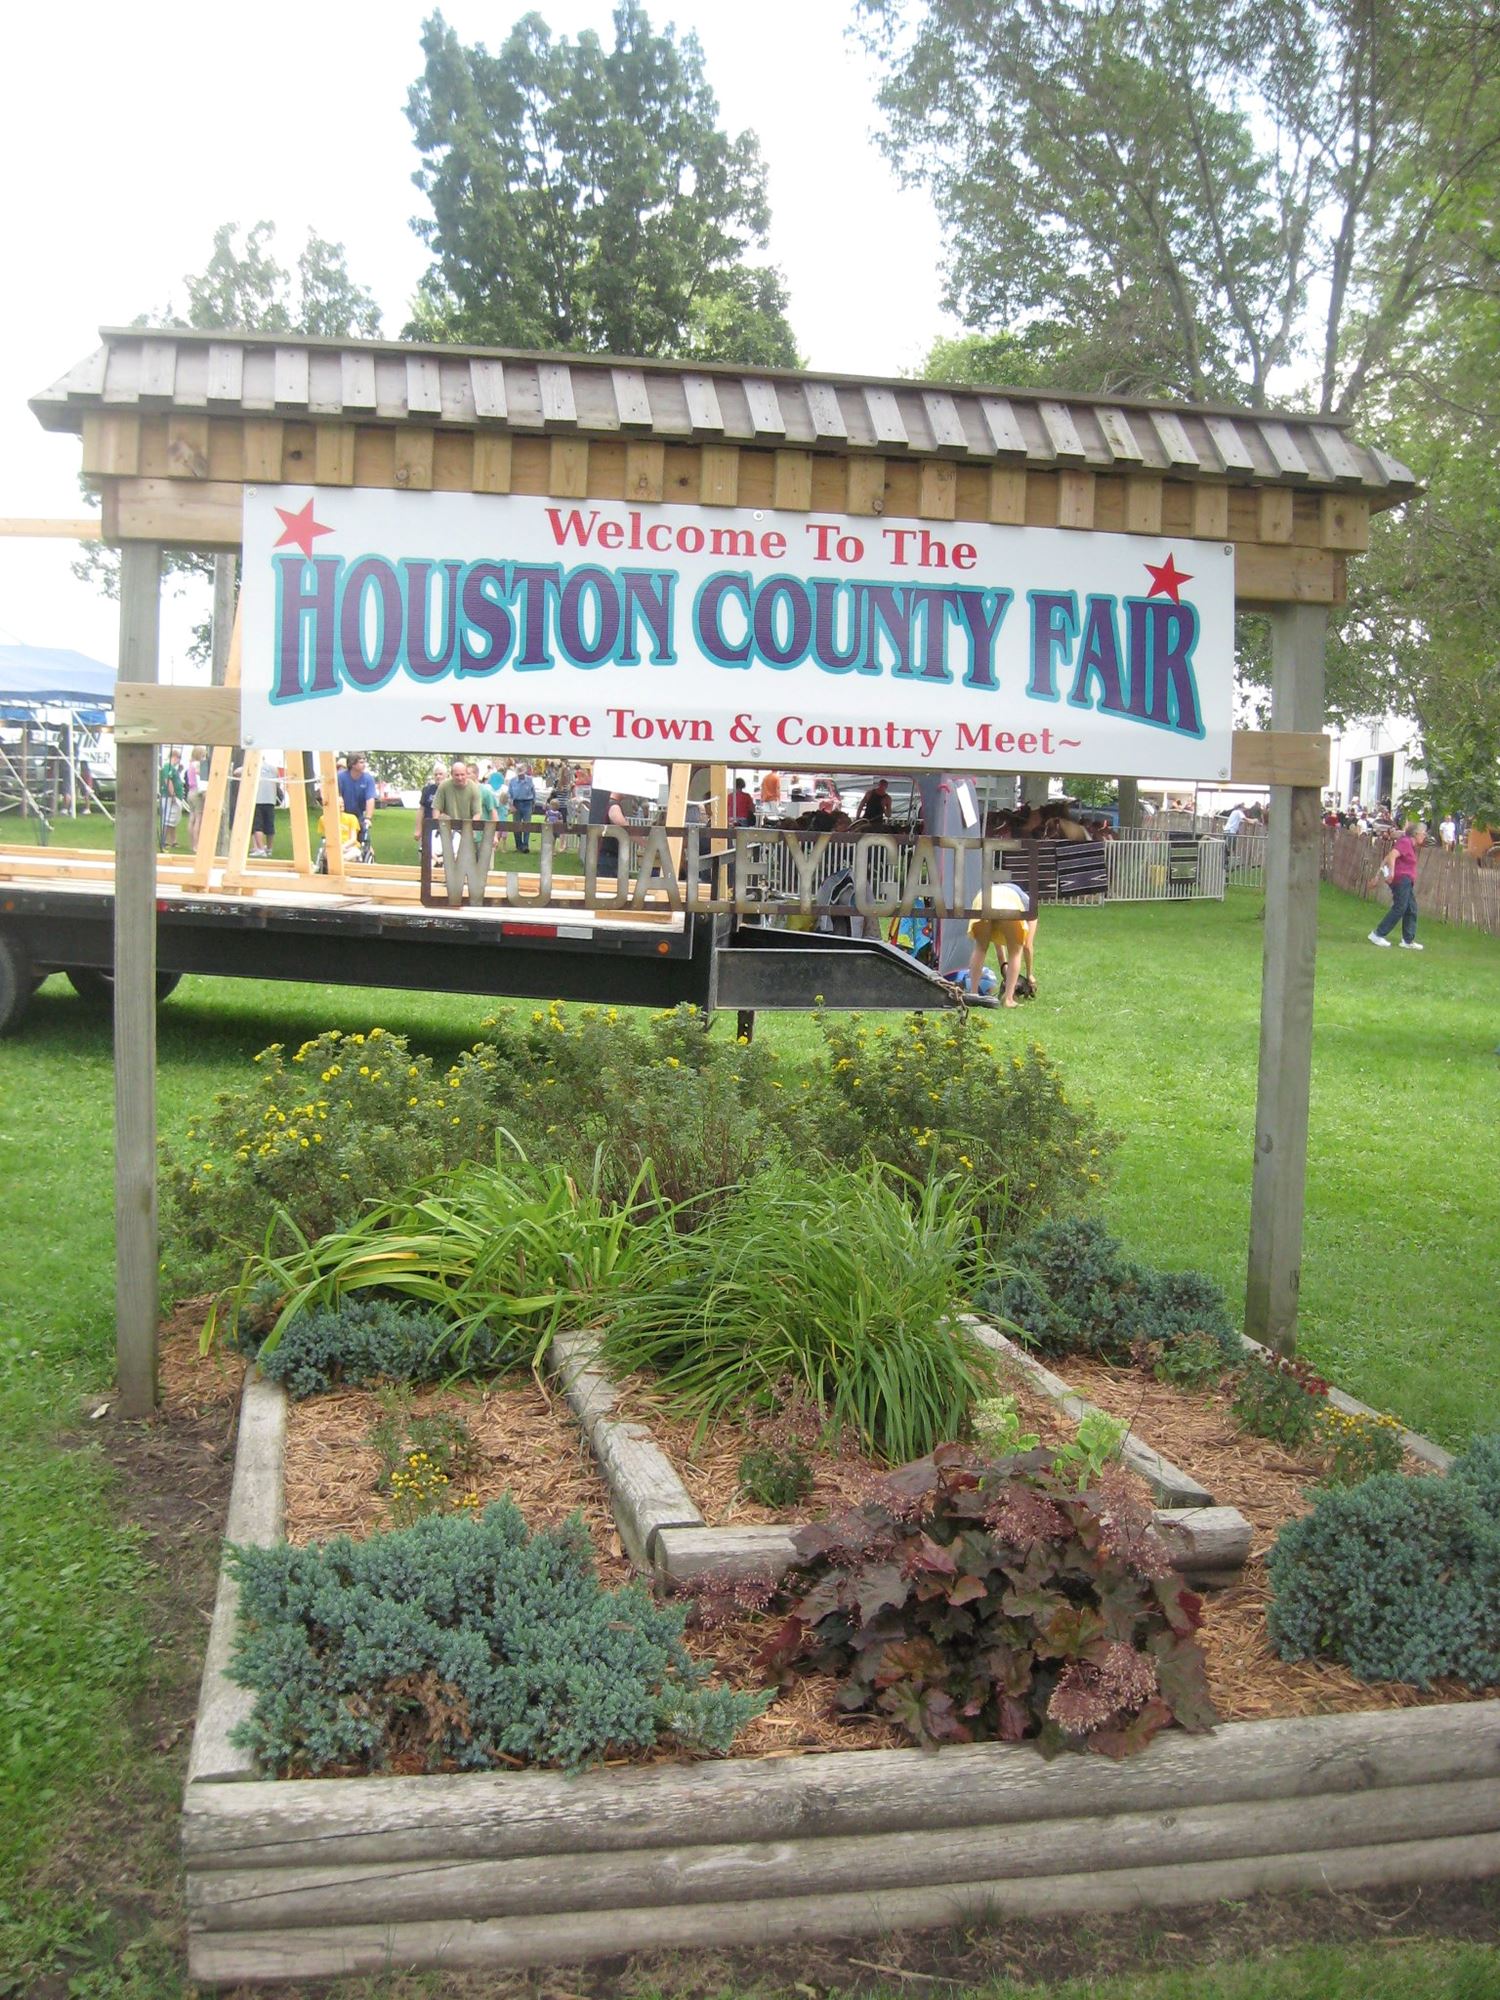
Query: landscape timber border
[[665, 1534], [310, 1879]]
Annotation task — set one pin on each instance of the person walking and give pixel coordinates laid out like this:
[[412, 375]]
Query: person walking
[[1400, 869], [521, 791]]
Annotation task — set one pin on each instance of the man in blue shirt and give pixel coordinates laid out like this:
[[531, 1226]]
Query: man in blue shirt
[[357, 792]]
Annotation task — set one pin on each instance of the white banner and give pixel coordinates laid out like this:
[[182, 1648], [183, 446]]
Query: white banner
[[596, 628]]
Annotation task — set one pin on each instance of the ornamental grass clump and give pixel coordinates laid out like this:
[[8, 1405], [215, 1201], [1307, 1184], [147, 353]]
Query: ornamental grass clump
[[973, 1600], [503, 1253], [1397, 1579], [844, 1287], [464, 1640]]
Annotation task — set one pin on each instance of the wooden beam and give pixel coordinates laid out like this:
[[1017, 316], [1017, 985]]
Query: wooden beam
[[148, 713], [177, 513], [244, 818], [328, 783], [1284, 1082], [1274, 576], [137, 1287], [298, 780], [87, 529], [1278, 757]]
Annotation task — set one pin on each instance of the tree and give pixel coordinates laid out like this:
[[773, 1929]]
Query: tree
[[1226, 192], [585, 198], [243, 285]]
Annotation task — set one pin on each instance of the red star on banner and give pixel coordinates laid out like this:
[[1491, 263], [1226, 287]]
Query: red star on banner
[[1167, 579], [300, 528]]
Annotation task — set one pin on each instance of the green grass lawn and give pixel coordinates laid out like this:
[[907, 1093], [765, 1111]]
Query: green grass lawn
[[1152, 1011]]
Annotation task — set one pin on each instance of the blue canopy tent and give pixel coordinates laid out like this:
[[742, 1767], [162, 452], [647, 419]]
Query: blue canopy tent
[[58, 700]]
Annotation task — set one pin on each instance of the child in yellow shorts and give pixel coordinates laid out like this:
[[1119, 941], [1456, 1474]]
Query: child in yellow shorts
[[1000, 919]]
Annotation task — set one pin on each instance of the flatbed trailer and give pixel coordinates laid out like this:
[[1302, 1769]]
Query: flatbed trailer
[[49, 924]]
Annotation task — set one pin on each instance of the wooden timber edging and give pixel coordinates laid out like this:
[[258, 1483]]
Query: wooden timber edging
[[1169, 1484], [665, 1533], [307, 1879]]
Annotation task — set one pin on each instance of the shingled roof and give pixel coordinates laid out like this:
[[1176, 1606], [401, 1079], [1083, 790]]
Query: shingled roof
[[146, 371]]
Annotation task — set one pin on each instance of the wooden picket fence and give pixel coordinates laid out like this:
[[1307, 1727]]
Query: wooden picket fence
[[1450, 886]]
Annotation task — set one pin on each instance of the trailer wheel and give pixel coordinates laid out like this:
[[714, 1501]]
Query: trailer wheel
[[98, 988], [17, 983]]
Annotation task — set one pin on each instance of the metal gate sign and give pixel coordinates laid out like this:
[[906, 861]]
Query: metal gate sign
[[596, 628]]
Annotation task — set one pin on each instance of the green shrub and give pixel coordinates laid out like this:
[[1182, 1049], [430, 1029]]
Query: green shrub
[[465, 1640], [1477, 1471], [1278, 1398], [929, 1095], [1194, 1361], [776, 1478], [357, 1343], [597, 1084], [346, 1120], [1399, 1579], [1081, 1461], [1072, 1291], [843, 1287], [975, 1602]]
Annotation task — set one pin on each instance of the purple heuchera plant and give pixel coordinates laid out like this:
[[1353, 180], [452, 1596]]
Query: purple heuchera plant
[[976, 1600]]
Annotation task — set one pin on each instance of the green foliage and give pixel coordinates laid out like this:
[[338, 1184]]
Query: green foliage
[[346, 1120], [842, 1287], [1196, 1361], [1279, 1398], [423, 1460], [244, 285], [997, 1428], [1072, 1291], [928, 1095], [584, 197], [1178, 176], [776, 1478], [357, 1343], [462, 1640], [600, 1084], [1399, 1579], [1097, 1444], [1355, 1446], [973, 1602], [507, 1253]]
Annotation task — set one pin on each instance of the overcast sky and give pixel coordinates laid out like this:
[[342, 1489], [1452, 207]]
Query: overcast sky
[[130, 132]]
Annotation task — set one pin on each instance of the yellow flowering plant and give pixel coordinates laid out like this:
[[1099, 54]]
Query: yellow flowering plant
[[318, 1132]]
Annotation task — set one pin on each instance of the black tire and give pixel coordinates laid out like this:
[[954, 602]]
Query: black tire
[[17, 983], [98, 988]]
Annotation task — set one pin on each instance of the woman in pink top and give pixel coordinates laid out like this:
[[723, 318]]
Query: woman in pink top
[[1400, 869]]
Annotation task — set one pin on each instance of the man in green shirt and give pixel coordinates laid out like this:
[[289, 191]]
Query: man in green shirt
[[460, 801]]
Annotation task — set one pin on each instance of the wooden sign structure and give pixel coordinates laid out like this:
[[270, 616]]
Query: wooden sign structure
[[175, 424]]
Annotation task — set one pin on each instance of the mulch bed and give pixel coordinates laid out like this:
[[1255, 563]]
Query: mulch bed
[[530, 1446]]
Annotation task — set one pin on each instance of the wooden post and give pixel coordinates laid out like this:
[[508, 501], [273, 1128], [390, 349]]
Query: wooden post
[[1298, 635], [136, 1285]]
